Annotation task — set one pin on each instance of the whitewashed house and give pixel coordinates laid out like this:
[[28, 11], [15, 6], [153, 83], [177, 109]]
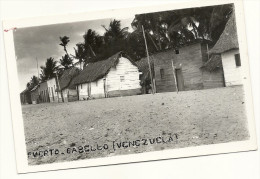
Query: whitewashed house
[[115, 76], [51, 90], [228, 48]]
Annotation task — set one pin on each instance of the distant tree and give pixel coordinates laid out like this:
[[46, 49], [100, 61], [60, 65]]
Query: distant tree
[[64, 42], [49, 70], [34, 81], [93, 41], [91, 45], [66, 62], [115, 39], [169, 29], [79, 54], [114, 31]]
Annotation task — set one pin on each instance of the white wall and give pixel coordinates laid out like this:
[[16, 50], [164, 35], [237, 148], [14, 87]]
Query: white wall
[[113, 83], [232, 73], [128, 70], [83, 89], [97, 87], [51, 83]]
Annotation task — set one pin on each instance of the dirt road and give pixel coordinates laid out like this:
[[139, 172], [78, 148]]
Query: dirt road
[[163, 121]]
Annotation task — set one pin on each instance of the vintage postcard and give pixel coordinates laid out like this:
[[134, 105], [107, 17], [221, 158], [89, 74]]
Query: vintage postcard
[[129, 85]]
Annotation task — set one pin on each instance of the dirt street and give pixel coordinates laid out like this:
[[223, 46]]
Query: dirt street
[[134, 124]]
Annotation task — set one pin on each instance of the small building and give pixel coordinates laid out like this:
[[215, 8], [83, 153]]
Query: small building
[[67, 88], [43, 93], [227, 48], [51, 90], [25, 97], [178, 69], [115, 76], [35, 97]]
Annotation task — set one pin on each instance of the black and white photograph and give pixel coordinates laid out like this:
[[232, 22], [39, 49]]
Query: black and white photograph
[[114, 86]]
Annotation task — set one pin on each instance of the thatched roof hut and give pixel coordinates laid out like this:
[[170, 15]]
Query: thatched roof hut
[[228, 39], [66, 80], [97, 70]]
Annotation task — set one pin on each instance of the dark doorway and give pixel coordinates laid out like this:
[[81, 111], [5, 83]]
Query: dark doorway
[[179, 79]]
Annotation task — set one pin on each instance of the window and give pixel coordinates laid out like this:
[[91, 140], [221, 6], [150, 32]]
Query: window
[[122, 78], [177, 51], [162, 73], [80, 86], [238, 61]]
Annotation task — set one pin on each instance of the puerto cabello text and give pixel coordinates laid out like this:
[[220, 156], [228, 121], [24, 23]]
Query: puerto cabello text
[[114, 145]]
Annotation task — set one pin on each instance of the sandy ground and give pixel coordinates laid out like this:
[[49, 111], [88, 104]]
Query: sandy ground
[[149, 122]]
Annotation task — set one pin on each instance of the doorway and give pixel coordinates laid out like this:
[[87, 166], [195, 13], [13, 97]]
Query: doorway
[[179, 79]]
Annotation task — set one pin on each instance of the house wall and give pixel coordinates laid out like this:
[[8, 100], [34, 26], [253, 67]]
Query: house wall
[[96, 90], [83, 91], [123, 80], [232, 73], [35, 96], [72, 95], [120, 81], [213, 79], [69, 95], [189, 60], [43, 93], [52, 86]]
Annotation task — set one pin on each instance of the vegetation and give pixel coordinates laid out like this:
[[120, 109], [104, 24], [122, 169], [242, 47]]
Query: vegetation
[[49, 70], [163, 30]]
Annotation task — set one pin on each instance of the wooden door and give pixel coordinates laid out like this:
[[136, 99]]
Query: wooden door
[[179, 79]]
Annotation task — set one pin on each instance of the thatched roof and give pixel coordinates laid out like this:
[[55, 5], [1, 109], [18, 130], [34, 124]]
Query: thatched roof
[[228, 39], [213, 63], [66, 78], [34, 88], [97, 70]]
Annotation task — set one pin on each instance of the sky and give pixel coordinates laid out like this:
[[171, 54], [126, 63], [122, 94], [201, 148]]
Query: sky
[[42, 42]]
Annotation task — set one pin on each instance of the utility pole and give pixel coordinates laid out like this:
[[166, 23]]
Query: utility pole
[[37, 68], [174, 76], [148, 59]]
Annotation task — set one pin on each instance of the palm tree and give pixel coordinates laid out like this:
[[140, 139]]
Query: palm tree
[[64, 42], [79, 54], [66, 61], [172, 28], [34, 81], [114, 31], [49, 70]]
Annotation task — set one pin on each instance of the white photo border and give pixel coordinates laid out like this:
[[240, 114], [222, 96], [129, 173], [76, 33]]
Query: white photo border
[[17, 119]]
